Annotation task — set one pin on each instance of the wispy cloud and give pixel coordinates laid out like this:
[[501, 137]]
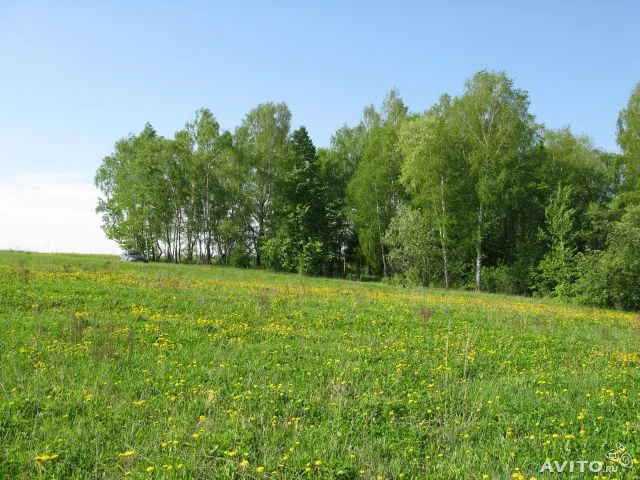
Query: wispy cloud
[[51, 212]]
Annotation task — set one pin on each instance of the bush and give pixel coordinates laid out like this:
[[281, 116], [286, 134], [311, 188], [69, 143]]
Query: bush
[[279, 254], [502, 279], [410, 247], [592, 285], [310, 260], [622, 261], [240, 257], [611, 278]]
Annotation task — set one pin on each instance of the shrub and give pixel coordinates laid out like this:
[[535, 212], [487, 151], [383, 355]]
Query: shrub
[[279, 253], [240, 257], [310, 260]]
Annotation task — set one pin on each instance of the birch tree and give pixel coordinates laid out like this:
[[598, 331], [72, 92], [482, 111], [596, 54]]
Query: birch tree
[[493, 119], [263, 143], [433, 173], [375, 193]]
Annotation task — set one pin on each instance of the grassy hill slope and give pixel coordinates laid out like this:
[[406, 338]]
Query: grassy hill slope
[[171, 371]]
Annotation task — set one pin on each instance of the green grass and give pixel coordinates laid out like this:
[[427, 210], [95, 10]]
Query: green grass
[[109, 369]]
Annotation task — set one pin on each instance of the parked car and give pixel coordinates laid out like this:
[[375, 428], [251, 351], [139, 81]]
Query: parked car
[[133, 256]]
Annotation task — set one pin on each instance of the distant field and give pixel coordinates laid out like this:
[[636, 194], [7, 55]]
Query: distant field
[[114, 370]]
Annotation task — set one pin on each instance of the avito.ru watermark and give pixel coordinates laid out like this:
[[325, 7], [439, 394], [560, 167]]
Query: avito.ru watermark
[[619, 456]]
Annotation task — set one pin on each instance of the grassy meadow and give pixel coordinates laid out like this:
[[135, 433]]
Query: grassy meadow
[[113, 370]]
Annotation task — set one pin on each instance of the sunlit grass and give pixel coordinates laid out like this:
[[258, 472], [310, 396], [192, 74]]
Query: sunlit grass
[[165, 371]]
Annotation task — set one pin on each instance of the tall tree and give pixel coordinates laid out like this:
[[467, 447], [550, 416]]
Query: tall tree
[[204, 131], [301, 191], [557, 268], [433, 173], [299, 204], [629, 140], [337, 165], [375, 192], [498, 130], [263, 143], [133, 206]]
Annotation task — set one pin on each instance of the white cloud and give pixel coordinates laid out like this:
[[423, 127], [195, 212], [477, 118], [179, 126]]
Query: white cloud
[[51, 212]]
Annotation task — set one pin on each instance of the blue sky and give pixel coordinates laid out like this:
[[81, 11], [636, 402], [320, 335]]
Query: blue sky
[[77, 76]]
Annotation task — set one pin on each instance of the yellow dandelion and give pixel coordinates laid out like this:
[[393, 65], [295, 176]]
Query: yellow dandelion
[[128, 453], [259, 469], [46, 458]]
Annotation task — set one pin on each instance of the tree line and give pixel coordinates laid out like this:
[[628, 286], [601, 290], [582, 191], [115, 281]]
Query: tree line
[[471, 193]]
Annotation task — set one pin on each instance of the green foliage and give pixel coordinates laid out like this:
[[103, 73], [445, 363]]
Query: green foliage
[[310, 259], [592, 285], [499, 138], [593, 177], [411, 252], [279, 253], [433, 175], [471, 193], [629, 139], [557, 268], [337, 165], [138, 189], [622, 259], [611, 278], [263, 144], [505, 279], [240, 257], [212, 179], [374, 192]]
